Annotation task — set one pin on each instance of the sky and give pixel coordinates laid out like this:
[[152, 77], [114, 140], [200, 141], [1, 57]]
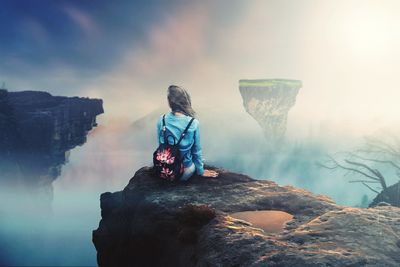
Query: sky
[[128, 52], [73, 40]]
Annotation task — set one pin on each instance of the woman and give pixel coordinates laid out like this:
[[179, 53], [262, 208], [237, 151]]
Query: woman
[[176, 121]]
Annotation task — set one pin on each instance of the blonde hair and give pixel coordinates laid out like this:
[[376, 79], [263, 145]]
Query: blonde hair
[[179, 100]]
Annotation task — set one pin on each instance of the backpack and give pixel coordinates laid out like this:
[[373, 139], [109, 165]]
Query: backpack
[[167, 158]]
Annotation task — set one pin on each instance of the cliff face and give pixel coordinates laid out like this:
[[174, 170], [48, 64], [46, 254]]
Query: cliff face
[[8, 127], [38, 130], [268, 102], [153, 223]]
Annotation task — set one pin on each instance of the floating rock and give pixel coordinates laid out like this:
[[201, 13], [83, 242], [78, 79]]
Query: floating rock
[[269, 102]]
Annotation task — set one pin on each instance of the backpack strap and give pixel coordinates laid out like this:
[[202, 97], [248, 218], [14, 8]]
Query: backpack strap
[[164, 129], [185, 131]]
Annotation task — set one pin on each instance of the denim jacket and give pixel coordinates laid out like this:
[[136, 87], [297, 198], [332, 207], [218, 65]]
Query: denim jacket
[[189, 147]]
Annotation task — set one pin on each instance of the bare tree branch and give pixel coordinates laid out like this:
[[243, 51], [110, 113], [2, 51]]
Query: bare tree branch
[[362, 161], [378, 146], [377, 160], [364, 181], [370, 188], [361, 165], [338, 165], [376, 172]]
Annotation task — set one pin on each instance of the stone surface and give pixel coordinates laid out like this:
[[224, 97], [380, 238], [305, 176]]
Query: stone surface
[[37, 131], [390, 196], [269, 102], [153, 223]]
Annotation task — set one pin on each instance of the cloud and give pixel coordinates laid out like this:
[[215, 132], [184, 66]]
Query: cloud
[[178, 42], [197, 47], [83, 20], [168, 52]]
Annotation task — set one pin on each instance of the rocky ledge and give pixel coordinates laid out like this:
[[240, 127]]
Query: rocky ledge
[[153, 223]]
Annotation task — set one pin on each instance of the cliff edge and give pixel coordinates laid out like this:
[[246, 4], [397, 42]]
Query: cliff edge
[[37, 131], [153, 223]]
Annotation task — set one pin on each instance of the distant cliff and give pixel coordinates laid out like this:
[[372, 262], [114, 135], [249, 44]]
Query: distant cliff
[[268, 102], [153, 223], [37, 130]]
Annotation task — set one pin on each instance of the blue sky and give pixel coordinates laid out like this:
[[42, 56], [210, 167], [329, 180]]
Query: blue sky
[[86, 35]]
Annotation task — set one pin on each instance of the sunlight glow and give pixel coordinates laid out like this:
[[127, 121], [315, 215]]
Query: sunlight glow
[[369, 30]]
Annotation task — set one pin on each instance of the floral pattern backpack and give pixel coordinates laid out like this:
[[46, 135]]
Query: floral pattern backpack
[[167, 158]]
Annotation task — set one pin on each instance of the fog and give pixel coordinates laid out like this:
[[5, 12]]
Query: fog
[[345, 52], [116, 149]]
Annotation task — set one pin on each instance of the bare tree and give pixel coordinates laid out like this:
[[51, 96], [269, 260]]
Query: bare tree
[[365, 161]]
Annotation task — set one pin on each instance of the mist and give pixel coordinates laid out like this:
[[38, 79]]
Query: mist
[[116, 150]]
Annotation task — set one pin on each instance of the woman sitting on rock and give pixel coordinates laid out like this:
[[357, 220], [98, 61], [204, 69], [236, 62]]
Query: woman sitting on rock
[[178, 132]]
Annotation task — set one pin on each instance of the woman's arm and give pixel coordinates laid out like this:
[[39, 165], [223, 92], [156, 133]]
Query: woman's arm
[[196, 152]]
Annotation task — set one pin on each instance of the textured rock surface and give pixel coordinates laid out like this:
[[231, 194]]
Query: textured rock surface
[[37, 131], [151, 223], [390, 195], [268, 102]]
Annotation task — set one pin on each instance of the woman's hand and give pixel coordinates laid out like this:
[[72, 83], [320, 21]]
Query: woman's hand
[[210, 173]]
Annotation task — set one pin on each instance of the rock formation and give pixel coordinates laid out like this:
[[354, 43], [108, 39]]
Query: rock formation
[[268, 102], [153, 223], [37, 130], [390, 195]]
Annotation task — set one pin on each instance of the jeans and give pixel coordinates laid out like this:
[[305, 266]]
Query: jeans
[[188, 172]]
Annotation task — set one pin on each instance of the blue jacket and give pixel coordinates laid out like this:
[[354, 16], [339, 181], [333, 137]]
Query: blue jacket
[[190, 145]]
